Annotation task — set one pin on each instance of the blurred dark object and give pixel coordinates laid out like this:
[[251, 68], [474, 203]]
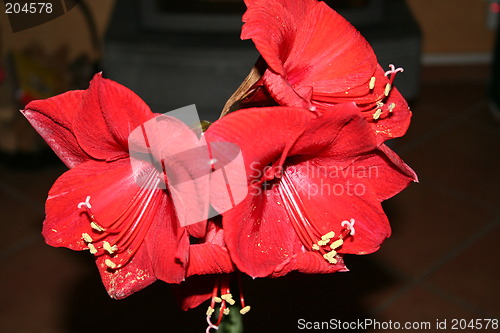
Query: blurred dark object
[[225, 15], [34, 73], [175, 58], [495, 77]]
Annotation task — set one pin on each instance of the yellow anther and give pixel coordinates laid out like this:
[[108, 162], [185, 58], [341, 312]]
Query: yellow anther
[[210, 311], [392, 106], [372, 83], [338, 243], [330, 257], [226, 311], [377, 114], [323, 242], [228, 298], [315, 247], [245, 310], [97, 227], [92, 248], [380, 104], [86, 237], [110, 264], [109, 248], [217, 299], [328, 236], [387, 89]]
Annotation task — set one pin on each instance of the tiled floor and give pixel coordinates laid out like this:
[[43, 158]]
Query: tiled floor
[[442, 262]]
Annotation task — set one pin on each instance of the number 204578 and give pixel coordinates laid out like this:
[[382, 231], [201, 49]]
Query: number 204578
[[28, 7]]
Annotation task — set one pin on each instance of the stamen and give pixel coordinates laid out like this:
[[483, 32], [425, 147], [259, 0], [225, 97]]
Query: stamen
[[109, 248], [336, 244], [377, 114], [86, 237], [221, 287], [110, 264], [128, 229], [92, 248], [323, 242], [210, 311], [387, 89], [97, 227], [305, 229], [228, 298], [372, 83], [245, 310], [328, 236], [391, 107], [330, 257]]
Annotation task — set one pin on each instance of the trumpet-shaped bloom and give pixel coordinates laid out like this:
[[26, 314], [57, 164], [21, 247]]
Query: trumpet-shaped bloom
[[132, 230], [315, 59], [316, 184]]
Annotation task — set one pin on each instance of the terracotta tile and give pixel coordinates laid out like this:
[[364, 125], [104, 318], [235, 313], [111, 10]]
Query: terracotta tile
[[30, 185], [427, 223], [463, 159], [419, 306], [439, 108], [473, 274], [35, 281], [19, 225], [451, 74]]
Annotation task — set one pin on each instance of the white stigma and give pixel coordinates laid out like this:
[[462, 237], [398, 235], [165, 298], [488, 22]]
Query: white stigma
[[349, 225], [85, 203]]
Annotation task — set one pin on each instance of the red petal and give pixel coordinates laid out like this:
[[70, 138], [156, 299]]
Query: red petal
[[194, 291], [310, 263], [342, 133], [259, 235], [111, 189], [392, 124], [308, 46], [387, 178], [332, 194], [264, 135], [329, 54], [110, 112], [398, 163], [53, 119], [208, 258], [272, 25], [123, 282]]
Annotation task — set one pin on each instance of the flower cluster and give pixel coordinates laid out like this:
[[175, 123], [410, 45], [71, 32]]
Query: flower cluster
[[310, 120]]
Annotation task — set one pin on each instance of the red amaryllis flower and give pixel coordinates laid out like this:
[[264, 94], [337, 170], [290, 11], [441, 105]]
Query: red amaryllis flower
[[315, 58], [132, 230], [316, 184]]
